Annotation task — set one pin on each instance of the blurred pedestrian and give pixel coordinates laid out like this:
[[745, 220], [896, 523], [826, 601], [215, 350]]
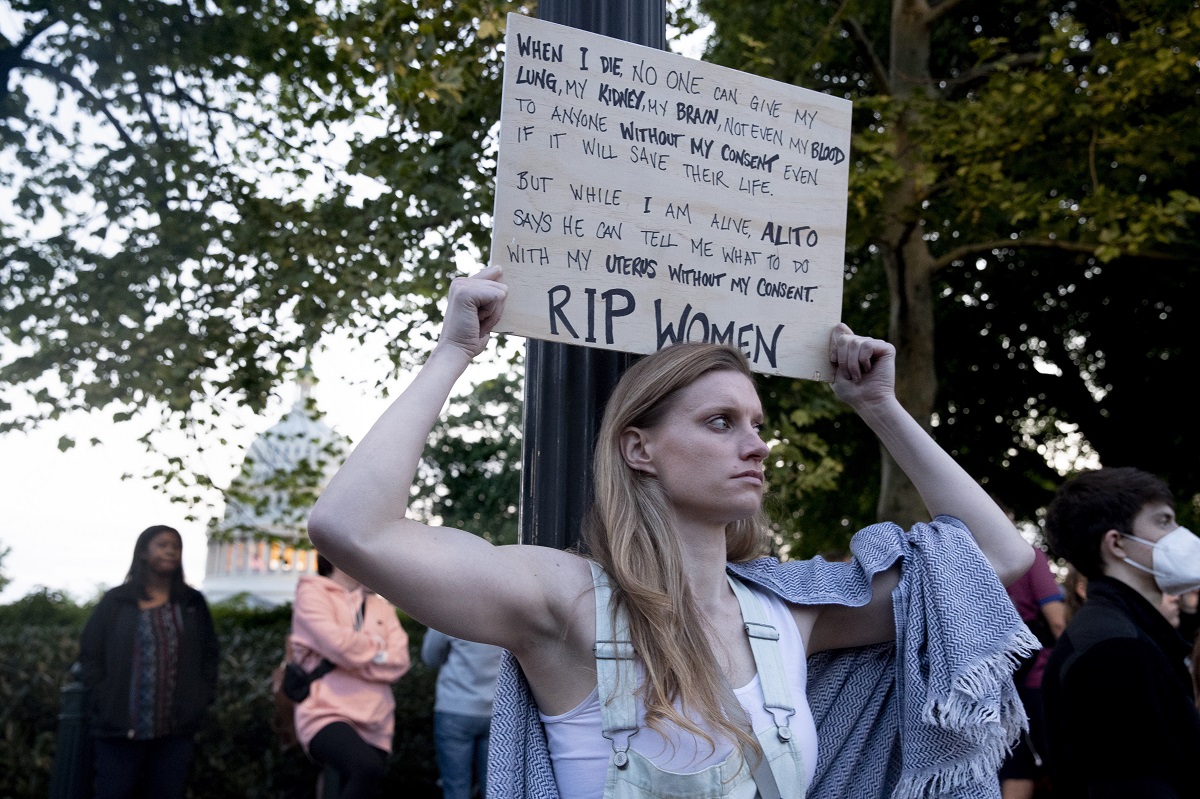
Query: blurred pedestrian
[[1039, 602], [462, 710], [149, 657], [348, 719], [1074, 591], [1189, 615], [1168, 606]]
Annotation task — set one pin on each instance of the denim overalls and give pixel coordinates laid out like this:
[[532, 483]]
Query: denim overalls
[[633, 776]]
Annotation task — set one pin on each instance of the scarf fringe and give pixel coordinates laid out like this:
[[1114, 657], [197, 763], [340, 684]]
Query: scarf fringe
[[982, 706]]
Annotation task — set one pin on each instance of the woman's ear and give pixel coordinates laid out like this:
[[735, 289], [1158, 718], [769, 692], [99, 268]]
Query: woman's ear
[[635, 450]]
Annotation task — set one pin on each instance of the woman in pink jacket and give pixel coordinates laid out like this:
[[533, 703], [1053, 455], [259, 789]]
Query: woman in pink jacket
[[347, 720]]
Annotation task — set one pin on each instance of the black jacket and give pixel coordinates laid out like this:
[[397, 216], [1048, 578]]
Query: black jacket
[[106, 657], [1120, 717]]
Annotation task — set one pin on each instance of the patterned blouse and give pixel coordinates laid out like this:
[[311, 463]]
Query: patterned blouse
[[155, 669]]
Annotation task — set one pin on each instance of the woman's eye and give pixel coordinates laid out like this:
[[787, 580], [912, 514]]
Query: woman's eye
[[719, 422]]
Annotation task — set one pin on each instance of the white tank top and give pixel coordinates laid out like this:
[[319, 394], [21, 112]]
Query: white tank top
[[580, 753]]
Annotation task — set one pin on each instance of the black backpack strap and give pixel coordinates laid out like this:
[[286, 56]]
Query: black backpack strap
[[324, 667], [361, 617]]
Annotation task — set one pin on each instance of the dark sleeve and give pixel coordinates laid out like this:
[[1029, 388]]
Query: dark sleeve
[[210, 650], [1145, 788], [92, 644], [1119, 694]]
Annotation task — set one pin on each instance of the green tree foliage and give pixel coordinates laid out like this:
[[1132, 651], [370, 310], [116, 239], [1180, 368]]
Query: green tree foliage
[[33, 667], [44, 607], [471, 469], [4, 578], [200, 191], [1023, 220]]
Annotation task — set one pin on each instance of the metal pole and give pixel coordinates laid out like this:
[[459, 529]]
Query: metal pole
[[71, 778], [637, 21], [566, 386]]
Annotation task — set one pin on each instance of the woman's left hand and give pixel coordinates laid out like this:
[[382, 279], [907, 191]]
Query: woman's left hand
[[864, 368]]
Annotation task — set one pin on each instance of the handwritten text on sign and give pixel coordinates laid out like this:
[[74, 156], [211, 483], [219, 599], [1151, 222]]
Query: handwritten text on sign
[[644, 198]]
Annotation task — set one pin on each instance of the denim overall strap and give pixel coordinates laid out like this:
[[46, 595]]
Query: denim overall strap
[[776, 777], [615, 674], [764, 643], [632, 775]]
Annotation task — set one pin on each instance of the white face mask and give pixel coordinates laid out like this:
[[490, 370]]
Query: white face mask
[[1176, 561]]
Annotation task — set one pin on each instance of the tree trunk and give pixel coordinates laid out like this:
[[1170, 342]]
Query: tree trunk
[[910, 329], [907, 259]]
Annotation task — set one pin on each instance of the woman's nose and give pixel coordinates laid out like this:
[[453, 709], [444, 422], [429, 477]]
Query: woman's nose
[[757, 449]]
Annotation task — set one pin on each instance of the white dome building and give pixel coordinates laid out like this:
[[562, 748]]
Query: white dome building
[[266, 507]]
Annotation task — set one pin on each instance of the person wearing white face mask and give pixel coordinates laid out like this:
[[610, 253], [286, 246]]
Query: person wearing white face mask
[[1175, 565], [1120, 709]]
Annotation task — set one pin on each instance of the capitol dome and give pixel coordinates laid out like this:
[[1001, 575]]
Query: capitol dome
[[254, 551]]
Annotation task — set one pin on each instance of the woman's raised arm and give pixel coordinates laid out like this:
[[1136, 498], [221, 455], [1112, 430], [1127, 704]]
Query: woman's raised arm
[[865, 377], [446, 578]]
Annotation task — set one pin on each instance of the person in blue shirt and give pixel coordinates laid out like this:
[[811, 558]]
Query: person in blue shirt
[[462, 710]]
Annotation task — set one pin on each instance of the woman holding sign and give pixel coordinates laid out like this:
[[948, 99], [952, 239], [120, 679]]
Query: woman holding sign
[[674, 659]]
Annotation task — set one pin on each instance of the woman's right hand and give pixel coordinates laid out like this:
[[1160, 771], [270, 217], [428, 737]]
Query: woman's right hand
[[474, 308]]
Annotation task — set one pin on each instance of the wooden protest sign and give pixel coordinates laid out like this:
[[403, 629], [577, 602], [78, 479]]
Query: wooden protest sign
[[644, 198]]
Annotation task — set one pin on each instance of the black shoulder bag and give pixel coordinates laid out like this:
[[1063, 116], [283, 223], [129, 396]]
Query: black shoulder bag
[[297, 681]]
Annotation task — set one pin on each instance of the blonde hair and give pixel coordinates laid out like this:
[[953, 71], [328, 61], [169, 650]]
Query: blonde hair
[[631, 532]]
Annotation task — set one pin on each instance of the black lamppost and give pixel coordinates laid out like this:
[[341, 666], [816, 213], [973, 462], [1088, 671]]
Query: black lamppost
[[566, 386]]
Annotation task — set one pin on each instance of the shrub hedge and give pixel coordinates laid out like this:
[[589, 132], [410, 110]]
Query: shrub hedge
[[237, 755]]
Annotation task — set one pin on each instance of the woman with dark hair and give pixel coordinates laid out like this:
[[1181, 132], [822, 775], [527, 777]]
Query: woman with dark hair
[[347, 720], [149, 657], [673, 658]]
